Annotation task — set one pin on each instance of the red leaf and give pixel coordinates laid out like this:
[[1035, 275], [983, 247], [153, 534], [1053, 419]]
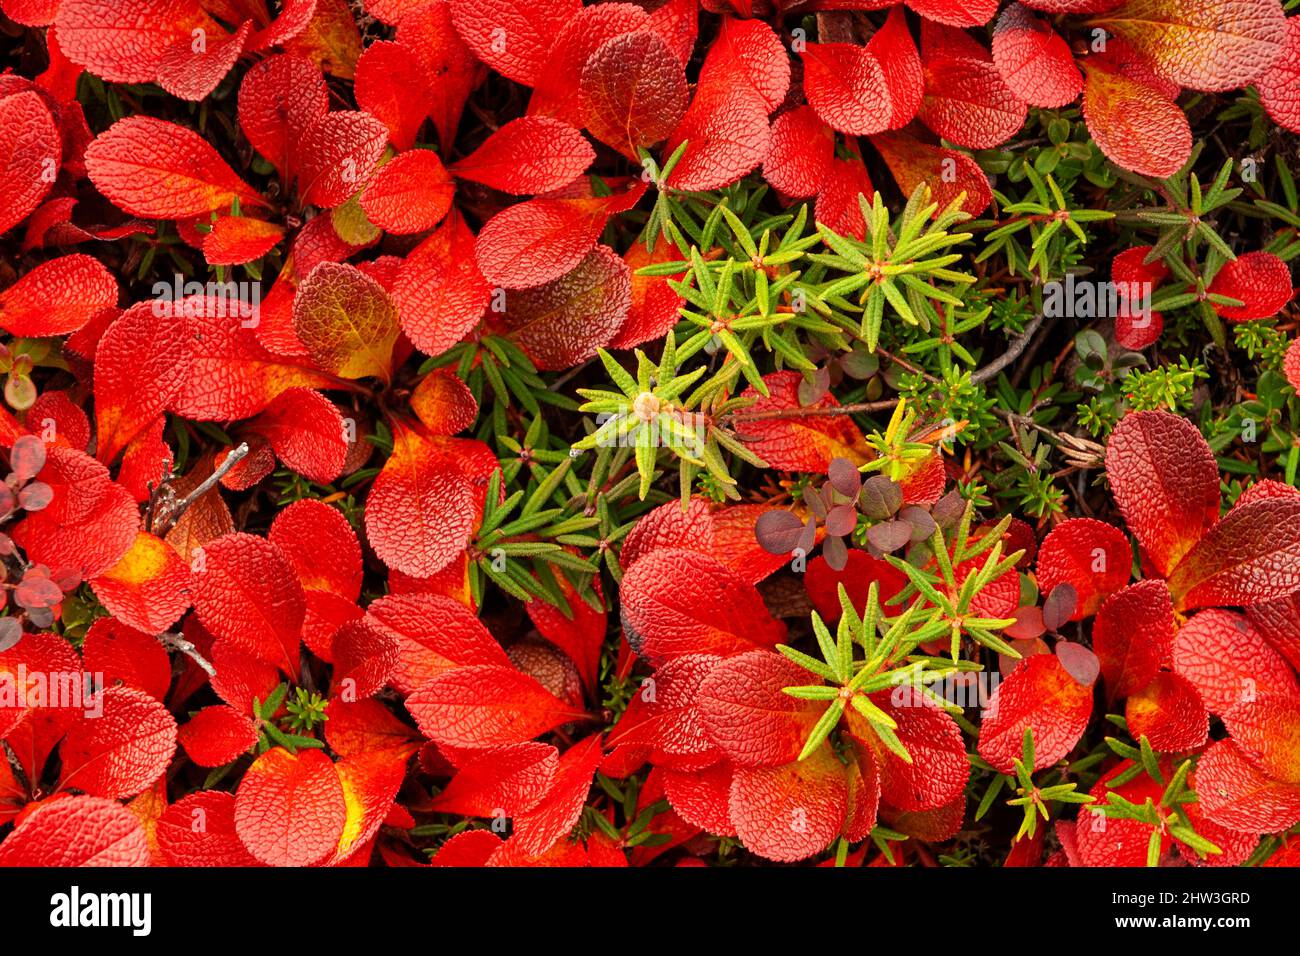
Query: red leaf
[[192, 74], [217, 735], [31, 13], [230, 374], [670, 526], [1133, 635], [581, 636], [247, 593], [947, 172], [90, 524], [702, 799], [199, 830], [1036, 64], [1279, 85], [531, 243], [938, 770], [486, 704], [1117, 841], [1166, 483], [793, 811], [31, 152], [149, 588], [279, 99], [289, 809], [1233, 794], [77, 831], [634, 91], [957, 13], [428, 31], [158, 170], [124, 42], [1091, 556], [444, 403], [859, 573], [839, 205], [677, 602], [57, 297], [467, 848], [1170, 713], [337, 156], [743, 79], [320, 545], [366, 725], [967, 101], [512, 778], [846, 87], [1228, 661], [124, 655], [563, 322], [538, 829], [799, 443], [331, 39], [894, 50], [1039, 694], [1260, 280], [512, 36], [1136, 125], [235, 240], [532, 154], [665, 716], [370, 783], [36, 655], [394, 86], [365, 657], [410, 193], [140, 368], [420, 510], [440, 293], [1133, 329], [307, 432], [121, 752], [434, 634], [801, 155], [654, 307], [1279, 623], [1251, 556], [1267, 729], [744, 710]]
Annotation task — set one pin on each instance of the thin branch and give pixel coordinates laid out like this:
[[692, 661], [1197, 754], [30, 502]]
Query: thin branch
[[1017, 346], [172, 513], [178, 642]]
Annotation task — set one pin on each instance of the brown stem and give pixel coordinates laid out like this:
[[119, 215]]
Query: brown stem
[[172, 513]]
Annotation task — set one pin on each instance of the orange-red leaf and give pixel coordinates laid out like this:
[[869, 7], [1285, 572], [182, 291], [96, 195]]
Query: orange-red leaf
[[410, 193], [531, 154], [57, 297], [420, 511], [247, 593], [149, 588], [678, 602], [486, 704], [140, 367], [289, 809], [1165, 481], [123, 750], [159, 170], [1040, 695]]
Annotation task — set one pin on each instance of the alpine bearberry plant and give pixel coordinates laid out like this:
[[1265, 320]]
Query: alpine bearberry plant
[[664, 432]]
